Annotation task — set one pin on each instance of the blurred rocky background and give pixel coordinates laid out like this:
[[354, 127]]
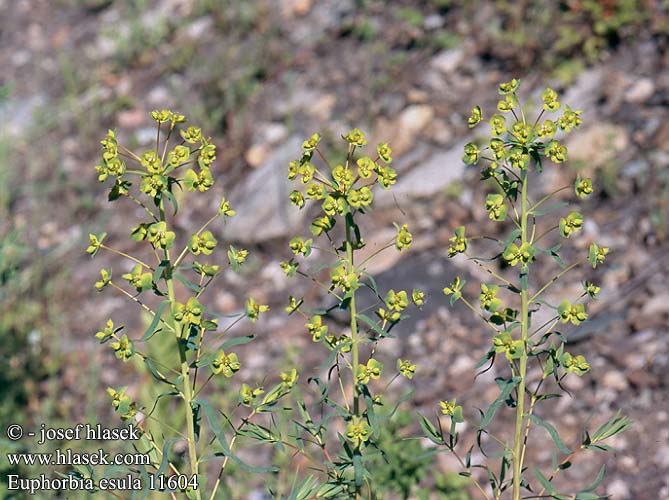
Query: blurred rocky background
[[261, 75]]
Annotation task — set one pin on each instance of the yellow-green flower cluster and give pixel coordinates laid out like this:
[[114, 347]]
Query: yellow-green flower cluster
[[341, 278], [524, 140], [575, 364], [188, 313], [300, 246], [574, 313], [406, 368], [358, 431], [504, 343], [404, 238], [122, 404], [372, 370], [95, 243], [458, 243], [108, 332], [248, 396], [139, 280], [111, 165], [597, 254], [550, 99], [289, 378], [514, 254], [583, 187], [488, 298], [570, 224], [157, 164], [227, 364], [496, 207], [123, 348], [316, 328], [396, 302], [159, 235], [105, 279], [346, 188], [253, 309]]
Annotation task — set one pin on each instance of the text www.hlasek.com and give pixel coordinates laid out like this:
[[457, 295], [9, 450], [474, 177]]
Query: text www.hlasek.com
[[69, 457]]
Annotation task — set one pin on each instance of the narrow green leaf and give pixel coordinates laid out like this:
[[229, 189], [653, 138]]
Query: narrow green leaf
[[212, 419], [154, 372], [151, 329], [549, 208], [544, 481], [236, 341], [588, 496], [506, 388], [597, 481], [372, 324], [191, 286], [430, 430], [553, 432]]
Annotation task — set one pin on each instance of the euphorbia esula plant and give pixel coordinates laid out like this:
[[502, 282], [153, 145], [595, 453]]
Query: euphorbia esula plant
[[352, 397], [518, 149], [176, 274]]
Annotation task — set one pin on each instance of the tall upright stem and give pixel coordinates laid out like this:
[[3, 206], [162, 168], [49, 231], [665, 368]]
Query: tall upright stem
[[524, 326], [185, 369], [354, 327], [354, 320]]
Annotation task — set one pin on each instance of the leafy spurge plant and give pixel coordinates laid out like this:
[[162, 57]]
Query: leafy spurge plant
[[176, 279], [352, 397], [516, 152]]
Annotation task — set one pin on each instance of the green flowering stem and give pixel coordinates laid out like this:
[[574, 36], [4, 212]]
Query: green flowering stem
[[322, 156], [165, 144], [516, 221], [129, 153], [386, 247], [556, 471], [557, 277], [141, 204], [354, 330], [528, 424], [142, 304], [479, 314], [547, 197], [225, 460], [534, 241], [395, 377], [184, 252], [539, 117], [524, 323], [146, 435], [185, 369], [488, 270], [163, 424], [123, 254], [552, 322], [319, 283], [468, 471], [144, 357]]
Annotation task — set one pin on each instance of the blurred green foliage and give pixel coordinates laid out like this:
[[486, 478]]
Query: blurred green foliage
[[404, 466]]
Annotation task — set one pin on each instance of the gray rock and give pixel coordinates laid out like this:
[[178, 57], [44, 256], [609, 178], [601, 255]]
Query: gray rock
[[261, 202], [448, 61], [640, 91], [586, 91], [429, 178], [615, 380], [433, 22], [635, 169], [618, 490], [597, 144]]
